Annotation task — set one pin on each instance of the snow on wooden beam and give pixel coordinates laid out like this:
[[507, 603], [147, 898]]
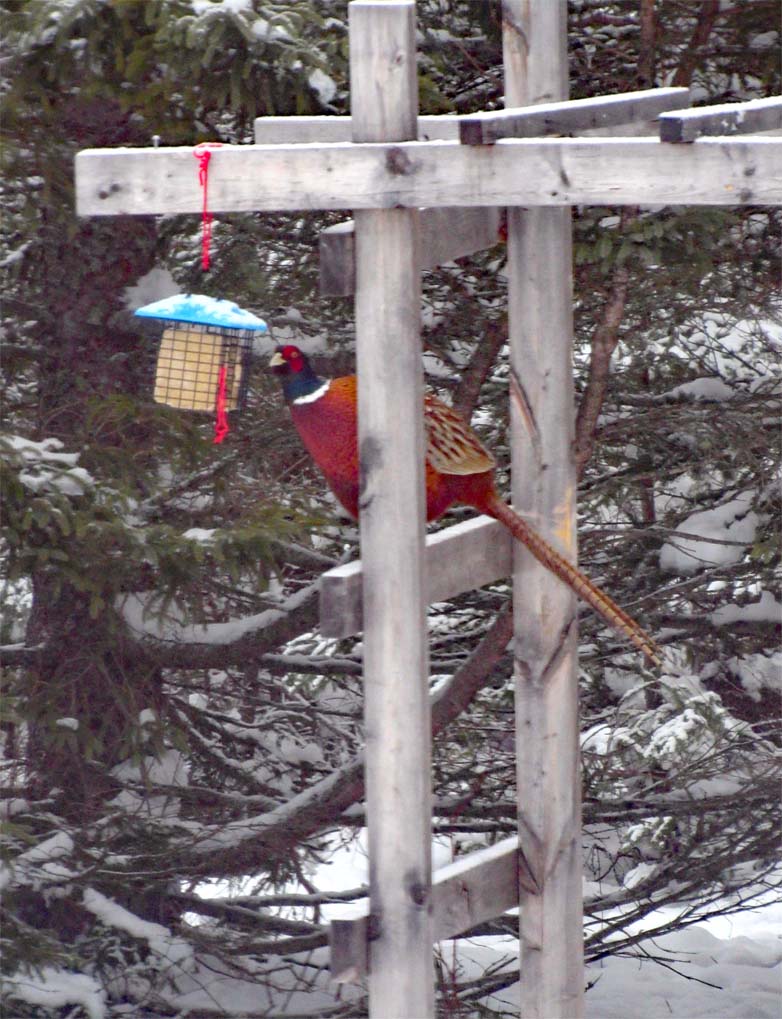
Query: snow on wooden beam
[[479, 887], [443, 128], [526, 172], [460, 558], [445, 234], [570, 115], [298, 130], [725, 119]]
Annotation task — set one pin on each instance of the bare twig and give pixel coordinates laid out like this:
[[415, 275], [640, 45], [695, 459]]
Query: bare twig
[[241, 846], [604, 341], [473, 377], [707, 16]]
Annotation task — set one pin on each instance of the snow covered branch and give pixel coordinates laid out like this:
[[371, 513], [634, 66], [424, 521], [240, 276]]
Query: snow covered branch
[[219, 645], [240, 846]]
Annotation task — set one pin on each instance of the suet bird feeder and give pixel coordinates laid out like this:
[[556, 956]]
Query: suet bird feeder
[[204, 356]]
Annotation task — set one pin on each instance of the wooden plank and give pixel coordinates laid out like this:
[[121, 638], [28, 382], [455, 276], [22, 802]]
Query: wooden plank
[[397, 715], [446, 234], [725, 119], [588, 114], [540, 321], [305, 130], [571, 115], [465, 893], [337, 260], [530, 172], [349, 939], [309, 130], [459, 558]]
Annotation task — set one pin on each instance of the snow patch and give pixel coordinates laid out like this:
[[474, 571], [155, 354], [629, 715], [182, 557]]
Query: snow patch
[[56, 988], [200, 534], [733, 522], [758, 672], [322, 85], [159, 938], [710, 388], [138, 613], [167, 769], [40, 865], [766, 610], [153, 286]]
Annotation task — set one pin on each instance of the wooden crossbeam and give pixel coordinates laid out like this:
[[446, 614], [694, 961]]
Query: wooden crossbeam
[[534, 121], [459, 558], [725, 119], [570, 115], [527, 172], [479, 887], [299, 130], [446, 234]]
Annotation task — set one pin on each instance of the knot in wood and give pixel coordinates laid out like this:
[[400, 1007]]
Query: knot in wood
[[374, 927], [419, 892], [399, 163], [370, 458]]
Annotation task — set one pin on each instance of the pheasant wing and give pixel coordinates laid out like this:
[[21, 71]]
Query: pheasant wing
[[451, 445]]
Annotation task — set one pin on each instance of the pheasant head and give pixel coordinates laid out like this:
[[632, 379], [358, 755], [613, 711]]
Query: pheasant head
[[300, 384]]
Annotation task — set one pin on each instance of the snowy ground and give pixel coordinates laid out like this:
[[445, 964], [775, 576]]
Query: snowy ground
[[725, 968]]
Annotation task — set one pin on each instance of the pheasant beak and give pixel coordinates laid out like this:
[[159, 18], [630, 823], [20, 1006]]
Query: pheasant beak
[[277, 360]]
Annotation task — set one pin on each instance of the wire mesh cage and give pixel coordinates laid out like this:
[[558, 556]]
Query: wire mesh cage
[[196, 362], [203, 361]]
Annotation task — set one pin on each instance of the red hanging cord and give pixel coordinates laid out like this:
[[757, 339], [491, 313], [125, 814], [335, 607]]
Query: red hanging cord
[[203, 154], [221, 418]]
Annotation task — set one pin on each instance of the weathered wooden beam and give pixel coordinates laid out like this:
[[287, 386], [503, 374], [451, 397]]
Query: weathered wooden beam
[[305, 130], [529, 172], [570, 115], [465, 893], [337, 260], [610, 111], [397, 716], [725, 119], [459, 558], [446, 234], [540, 334]]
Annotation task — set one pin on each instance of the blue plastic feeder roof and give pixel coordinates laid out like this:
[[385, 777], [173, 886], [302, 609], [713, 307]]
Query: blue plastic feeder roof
[[203, 310], [204, 357]]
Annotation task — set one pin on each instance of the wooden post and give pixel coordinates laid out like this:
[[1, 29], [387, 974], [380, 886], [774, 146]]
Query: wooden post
[[544, 487], [384, 95]]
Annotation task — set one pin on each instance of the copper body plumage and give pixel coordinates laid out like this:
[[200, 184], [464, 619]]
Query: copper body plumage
[[459, 469]]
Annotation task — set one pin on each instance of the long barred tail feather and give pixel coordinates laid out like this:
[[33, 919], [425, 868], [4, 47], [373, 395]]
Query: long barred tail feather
[[577, 581]]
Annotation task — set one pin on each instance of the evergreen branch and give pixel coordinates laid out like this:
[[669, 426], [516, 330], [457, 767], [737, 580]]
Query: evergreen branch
[[604, 341], [239, 847], [240, 642]]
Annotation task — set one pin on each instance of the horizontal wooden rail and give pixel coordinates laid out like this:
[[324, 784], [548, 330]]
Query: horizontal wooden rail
[[298, 130], [459, 558], [570, 116], [725, 119], [476, 888], [528, 172], [446, 234], [531, 121]]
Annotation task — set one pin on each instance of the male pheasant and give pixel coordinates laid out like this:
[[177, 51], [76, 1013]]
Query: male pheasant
[[458, 470]]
